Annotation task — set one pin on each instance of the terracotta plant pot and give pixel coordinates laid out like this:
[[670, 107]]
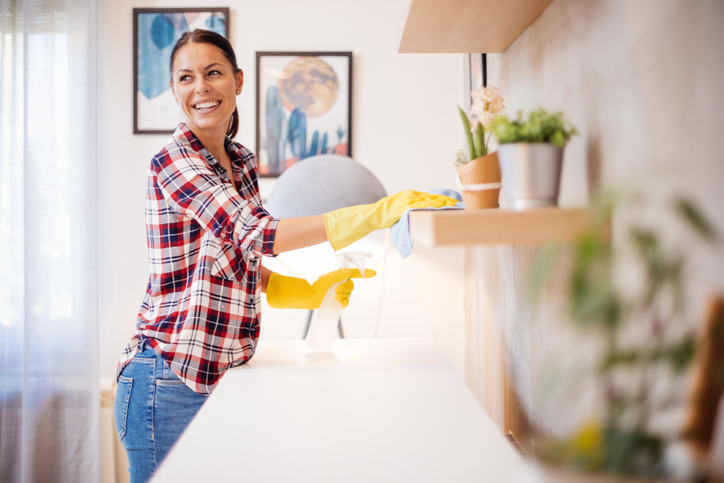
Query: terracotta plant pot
[[480, 182]]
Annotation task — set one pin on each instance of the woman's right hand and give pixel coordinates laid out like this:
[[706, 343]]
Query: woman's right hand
[[347, 225]]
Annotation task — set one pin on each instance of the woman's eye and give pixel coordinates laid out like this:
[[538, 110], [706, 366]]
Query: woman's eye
[[214, 72], [184, 78]]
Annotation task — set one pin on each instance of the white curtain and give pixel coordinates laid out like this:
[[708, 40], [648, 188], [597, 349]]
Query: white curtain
[[49, 402]]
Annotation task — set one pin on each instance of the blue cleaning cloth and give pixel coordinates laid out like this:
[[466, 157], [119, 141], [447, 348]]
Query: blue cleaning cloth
[[400, 231]]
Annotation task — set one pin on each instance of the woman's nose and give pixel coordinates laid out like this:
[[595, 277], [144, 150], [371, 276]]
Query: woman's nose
[[202, 86]]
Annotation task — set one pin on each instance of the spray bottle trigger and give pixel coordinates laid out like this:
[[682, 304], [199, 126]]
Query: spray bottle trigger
[[354, 258]]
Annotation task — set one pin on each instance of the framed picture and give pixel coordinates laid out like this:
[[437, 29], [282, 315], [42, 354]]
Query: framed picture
[[303, 107], [155, 32], [478, 71]]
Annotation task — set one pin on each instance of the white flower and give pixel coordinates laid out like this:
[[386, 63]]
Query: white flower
[[487, 103]]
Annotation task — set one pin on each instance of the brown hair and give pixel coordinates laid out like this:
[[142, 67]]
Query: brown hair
[[200, 36]]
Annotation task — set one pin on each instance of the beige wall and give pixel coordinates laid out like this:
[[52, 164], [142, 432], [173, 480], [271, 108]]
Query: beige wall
[[642, 81]]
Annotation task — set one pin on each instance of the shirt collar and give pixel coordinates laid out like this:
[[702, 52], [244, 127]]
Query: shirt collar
[[186, 136]]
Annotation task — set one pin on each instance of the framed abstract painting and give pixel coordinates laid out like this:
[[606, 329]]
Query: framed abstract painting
[[155, 32], [303, 107]]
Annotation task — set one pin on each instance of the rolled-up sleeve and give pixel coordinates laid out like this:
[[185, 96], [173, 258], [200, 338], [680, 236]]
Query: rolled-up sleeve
[[263, 233], [193, 190]]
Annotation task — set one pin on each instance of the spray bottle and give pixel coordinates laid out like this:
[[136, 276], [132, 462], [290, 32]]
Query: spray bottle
[[324, 324]]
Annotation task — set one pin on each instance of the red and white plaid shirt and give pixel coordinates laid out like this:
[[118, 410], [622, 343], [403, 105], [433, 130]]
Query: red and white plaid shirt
[[201, 311]]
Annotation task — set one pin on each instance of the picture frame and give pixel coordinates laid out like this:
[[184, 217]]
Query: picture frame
[[478, 69], [155, 32], [303, 107]]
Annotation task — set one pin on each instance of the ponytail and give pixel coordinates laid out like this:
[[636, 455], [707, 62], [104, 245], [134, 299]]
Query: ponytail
[[233, 124]]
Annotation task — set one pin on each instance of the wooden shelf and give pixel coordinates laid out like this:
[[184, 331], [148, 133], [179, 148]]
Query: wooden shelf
[[483, 227], [466, 26]]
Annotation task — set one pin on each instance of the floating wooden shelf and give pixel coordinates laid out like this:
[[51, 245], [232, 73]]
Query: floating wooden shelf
[[466, 26], [481, 227]]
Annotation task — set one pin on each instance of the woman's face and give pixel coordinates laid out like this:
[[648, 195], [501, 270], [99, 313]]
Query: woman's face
[[205, 86]]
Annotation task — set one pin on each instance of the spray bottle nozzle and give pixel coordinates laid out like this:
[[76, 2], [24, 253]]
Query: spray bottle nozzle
[[356, 258]]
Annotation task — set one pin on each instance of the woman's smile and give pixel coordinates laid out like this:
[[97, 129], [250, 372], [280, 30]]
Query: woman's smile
[[206, 105]]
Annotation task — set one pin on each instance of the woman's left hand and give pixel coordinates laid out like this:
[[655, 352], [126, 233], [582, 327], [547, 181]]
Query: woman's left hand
[[296, 293]]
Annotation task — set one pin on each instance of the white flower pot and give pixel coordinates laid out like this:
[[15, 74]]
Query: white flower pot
[[531, 174]]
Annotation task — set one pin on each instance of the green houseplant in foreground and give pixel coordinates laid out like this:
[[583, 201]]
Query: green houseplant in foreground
[[531, 156], [646, 346]]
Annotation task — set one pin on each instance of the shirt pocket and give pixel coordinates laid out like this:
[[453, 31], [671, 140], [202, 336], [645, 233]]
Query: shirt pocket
[[233, 263]]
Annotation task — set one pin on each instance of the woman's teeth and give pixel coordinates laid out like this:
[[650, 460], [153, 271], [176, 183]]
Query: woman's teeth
[[207, 105]]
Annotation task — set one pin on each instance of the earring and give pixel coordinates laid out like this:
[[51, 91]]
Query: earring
[[238, 92]]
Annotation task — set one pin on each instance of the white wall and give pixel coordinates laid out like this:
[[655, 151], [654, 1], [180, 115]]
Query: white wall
[[405, 130]]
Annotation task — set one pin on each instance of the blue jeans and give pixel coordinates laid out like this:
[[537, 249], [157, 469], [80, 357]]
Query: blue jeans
[[152, 408]]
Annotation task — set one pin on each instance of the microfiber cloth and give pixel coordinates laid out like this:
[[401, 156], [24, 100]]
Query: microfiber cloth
[[400, 231]]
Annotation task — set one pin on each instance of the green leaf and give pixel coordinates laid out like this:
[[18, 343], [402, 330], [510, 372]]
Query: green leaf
[[620, 358], [632, 452], [558, 139], [480, 149], [592, 297], [468, 134], [681, 354], [691, 214], [505, 130]]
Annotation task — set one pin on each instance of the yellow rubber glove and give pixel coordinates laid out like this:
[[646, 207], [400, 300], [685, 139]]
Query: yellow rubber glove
[[347, 225], [296, 293]]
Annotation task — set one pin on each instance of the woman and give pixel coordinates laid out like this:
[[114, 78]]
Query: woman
[[207, 231]]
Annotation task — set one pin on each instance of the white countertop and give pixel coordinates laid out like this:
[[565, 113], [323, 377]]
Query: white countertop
[[370, 411]]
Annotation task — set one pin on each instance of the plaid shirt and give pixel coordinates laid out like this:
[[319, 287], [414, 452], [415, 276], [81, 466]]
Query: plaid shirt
[[201, 310]]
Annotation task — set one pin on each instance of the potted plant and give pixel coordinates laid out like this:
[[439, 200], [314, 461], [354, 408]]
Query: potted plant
[[531, 156], [479, 172]]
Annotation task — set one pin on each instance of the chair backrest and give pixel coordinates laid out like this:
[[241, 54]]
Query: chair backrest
[[320, 184]]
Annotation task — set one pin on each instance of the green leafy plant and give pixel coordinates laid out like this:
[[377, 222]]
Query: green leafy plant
[[624, 442], [540, 127]]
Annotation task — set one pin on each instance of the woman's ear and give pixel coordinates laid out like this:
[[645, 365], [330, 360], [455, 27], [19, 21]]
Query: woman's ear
[[170, 84], [239, 81]]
